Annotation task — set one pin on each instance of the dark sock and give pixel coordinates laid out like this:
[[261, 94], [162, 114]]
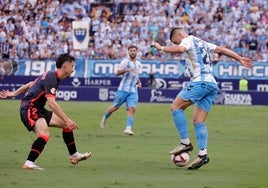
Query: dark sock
[[68, 138], [36, 149]]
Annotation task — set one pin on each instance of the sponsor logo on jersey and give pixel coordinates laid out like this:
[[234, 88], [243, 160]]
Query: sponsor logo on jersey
[[53, 90]]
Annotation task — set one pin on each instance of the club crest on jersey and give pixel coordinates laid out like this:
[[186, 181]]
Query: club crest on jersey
[[80, 34], [53, 91]]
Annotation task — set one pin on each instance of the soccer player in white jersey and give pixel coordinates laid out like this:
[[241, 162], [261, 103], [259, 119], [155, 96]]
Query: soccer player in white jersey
[[127, 93], [200, 91]]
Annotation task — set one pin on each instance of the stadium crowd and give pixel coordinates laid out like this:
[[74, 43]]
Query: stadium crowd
[[42, 29]]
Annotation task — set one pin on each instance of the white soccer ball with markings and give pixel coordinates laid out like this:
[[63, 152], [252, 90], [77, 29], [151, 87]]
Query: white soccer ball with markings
[[181, 159]]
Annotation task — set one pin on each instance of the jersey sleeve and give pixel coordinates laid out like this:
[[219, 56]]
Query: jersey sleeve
[[122, 65], [211, 47], [186, 42], [139, 67]]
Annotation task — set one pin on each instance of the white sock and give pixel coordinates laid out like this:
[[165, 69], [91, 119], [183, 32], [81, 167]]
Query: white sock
[[203, 152], [185, 141], [29, 162], [74, 155]]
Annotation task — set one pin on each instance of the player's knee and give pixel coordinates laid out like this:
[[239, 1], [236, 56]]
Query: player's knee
[[132, 109], [174, 107], [43, 133], [198, 119], [45, 137], [113, 109]]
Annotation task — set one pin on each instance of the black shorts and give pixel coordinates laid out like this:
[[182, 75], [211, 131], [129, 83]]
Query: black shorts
[[30, 115]]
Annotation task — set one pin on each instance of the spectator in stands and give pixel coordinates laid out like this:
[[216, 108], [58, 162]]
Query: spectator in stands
[[53, 18], [13, 53], [6, 46], [243, 45], [46, 53], [252, 45], [10, 27], [151, 82], [5, 67]]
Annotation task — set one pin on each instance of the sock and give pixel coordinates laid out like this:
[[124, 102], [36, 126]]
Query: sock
[[37, 147], [181, 124], [201, 135], [130, 121], [68, 137], [185, 141], [107, 114], [75, 154], [203, 152]]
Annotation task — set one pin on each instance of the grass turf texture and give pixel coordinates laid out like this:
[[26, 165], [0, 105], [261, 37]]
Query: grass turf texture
[[237, 149]]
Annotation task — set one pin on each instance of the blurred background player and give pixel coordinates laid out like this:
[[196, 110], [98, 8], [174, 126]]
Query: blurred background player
[[200, 91], [37, 119], [243, 84], [151, 82], [127, 91]]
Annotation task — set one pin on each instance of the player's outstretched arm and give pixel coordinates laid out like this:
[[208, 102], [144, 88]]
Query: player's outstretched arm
[[6, 94], [9, 94], [247, 62], [169, 49]]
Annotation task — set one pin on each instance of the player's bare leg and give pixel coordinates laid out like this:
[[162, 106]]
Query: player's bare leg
[[106, 115]]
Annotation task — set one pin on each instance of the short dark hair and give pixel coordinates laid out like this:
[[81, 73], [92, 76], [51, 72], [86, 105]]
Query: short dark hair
[[63, 58], [174, 31], [132, 46]]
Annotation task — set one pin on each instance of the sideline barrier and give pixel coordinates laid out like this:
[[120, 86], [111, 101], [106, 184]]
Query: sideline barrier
[[161, 83], [69, 93]]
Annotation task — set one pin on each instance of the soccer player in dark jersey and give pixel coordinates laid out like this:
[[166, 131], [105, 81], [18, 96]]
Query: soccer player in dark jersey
[[37, 119]]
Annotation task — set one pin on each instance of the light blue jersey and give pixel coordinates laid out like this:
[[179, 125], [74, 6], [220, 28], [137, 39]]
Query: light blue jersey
[[129, 79], [198, 60], [202, 88]]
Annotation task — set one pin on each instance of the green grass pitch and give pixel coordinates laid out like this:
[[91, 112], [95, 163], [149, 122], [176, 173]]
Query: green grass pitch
[[238, 149]]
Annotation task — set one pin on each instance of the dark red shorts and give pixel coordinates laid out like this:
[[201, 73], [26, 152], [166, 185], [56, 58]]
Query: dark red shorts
[[30, 115]]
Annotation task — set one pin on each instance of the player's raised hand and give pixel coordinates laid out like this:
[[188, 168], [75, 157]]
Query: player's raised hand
[[247, 62], [6, 94], [71, 124], [156, 45]]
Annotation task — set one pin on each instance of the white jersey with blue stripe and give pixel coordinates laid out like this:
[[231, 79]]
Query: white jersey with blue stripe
[[198, 60], [129, 79]]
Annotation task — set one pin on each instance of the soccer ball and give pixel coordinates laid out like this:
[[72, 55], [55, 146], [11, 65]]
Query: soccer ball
[[180, 160]]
